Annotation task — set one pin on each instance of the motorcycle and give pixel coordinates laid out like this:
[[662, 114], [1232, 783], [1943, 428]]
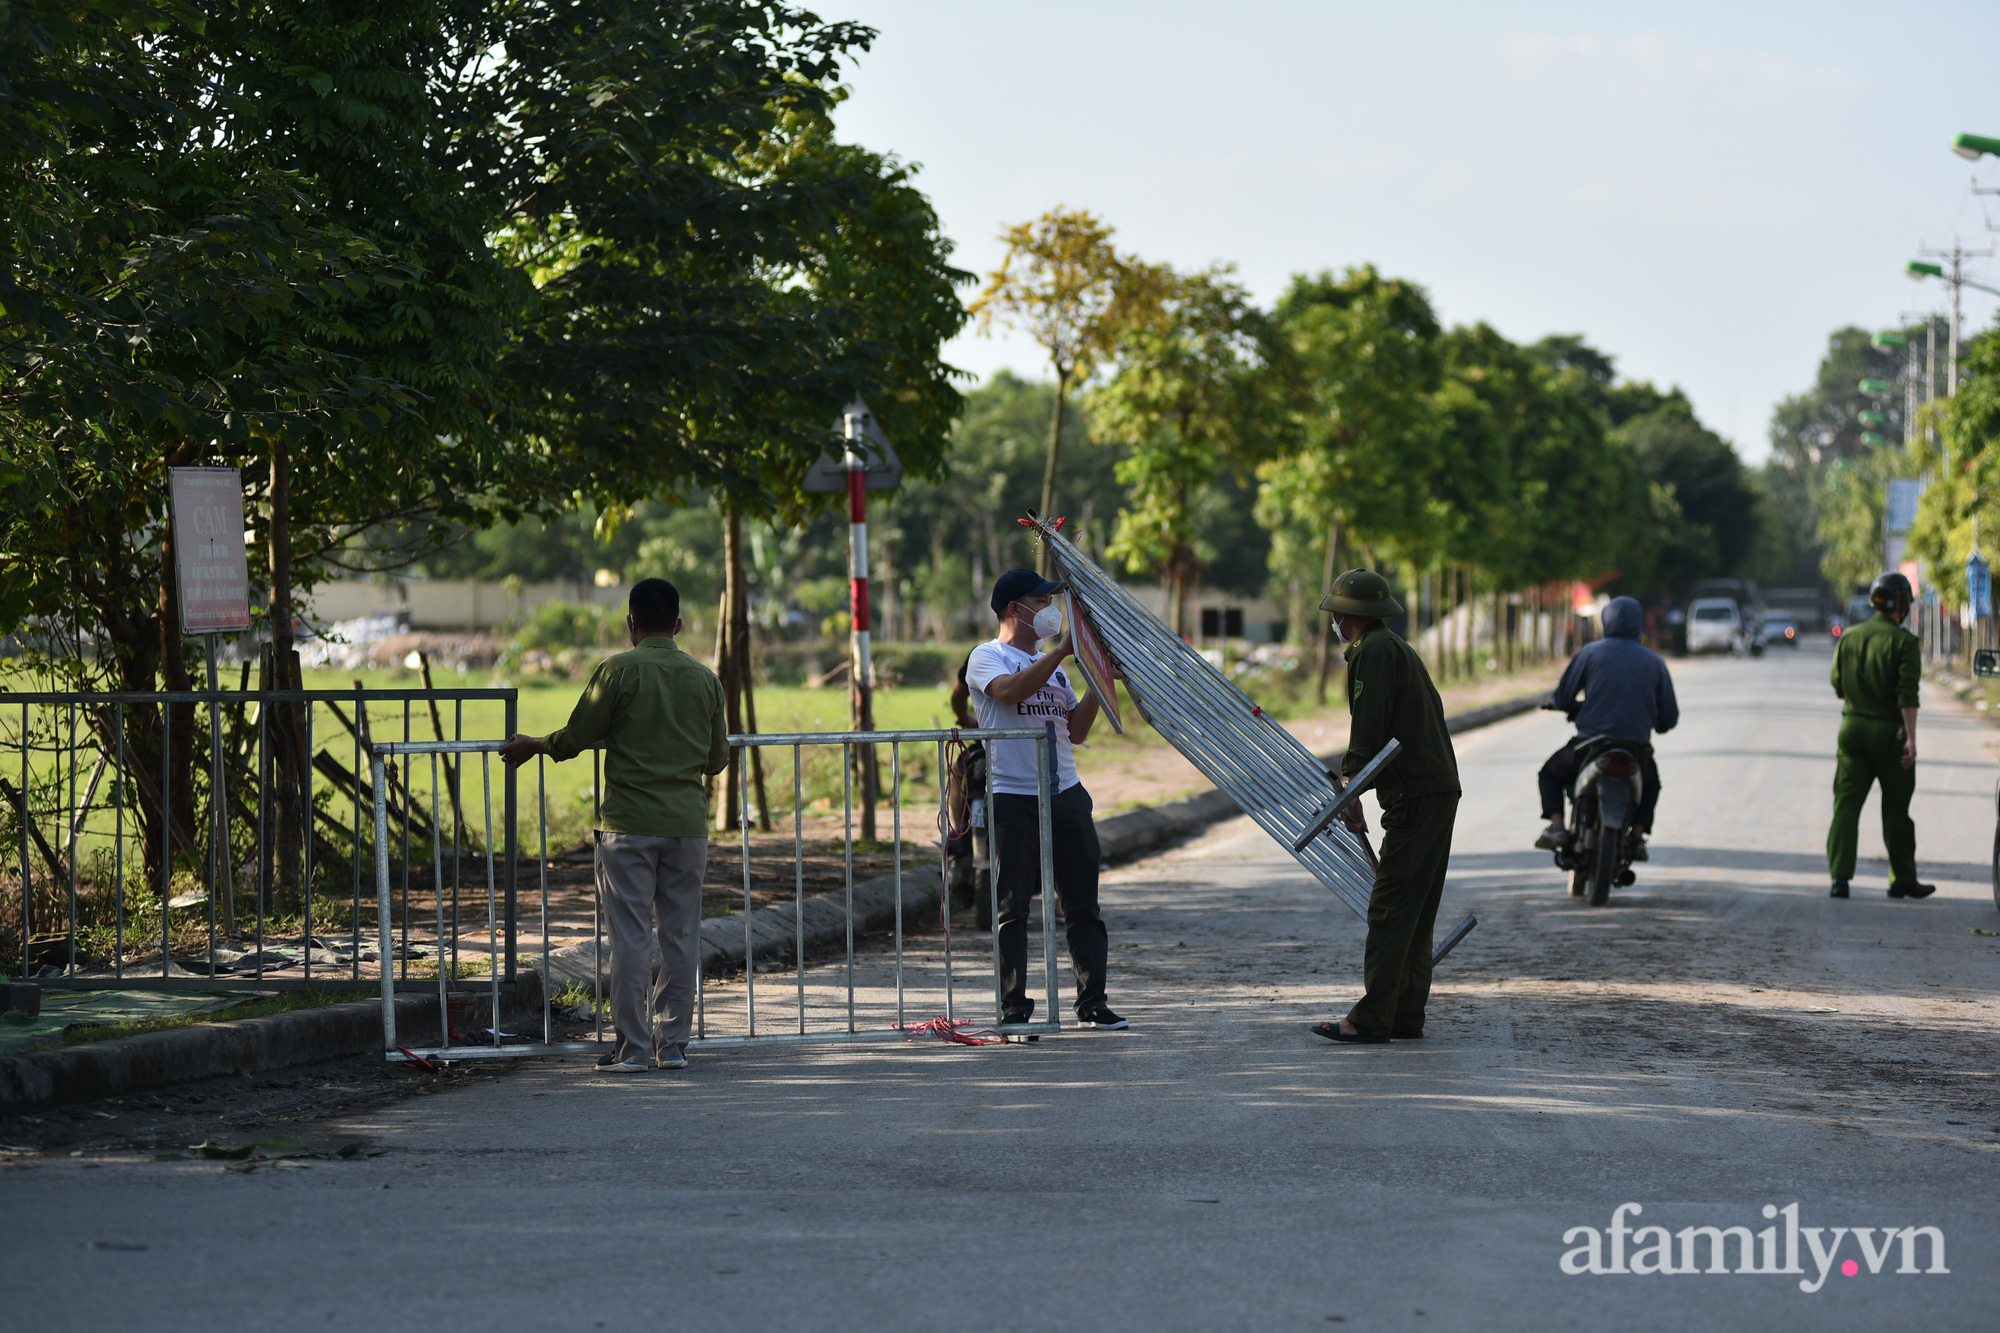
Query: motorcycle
[[1603, 806]]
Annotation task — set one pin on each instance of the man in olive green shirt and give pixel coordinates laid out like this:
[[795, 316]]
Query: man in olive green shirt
[[1391, 697], [1876, 666], [658, 713]]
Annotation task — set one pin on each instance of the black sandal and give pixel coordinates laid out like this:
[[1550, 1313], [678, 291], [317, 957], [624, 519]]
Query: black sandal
[[1332, 1032]]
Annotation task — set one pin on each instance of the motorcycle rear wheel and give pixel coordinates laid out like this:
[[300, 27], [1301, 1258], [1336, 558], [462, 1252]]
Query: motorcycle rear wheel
[[1604, 865]]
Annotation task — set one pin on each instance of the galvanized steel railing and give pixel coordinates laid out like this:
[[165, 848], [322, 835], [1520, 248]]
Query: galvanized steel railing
[[77, 726], [705, 1037]]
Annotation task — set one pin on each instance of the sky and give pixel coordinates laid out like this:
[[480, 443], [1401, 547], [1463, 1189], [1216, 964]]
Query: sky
[[1703, 191]]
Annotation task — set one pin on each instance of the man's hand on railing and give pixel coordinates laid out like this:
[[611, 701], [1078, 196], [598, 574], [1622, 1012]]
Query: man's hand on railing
[[520, 749]]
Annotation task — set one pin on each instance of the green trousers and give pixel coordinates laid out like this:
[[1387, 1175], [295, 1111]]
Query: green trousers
[[1402, 911], [1871, 751]]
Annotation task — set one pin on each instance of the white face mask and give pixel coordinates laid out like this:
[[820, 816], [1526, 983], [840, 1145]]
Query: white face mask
[[1048, 621]]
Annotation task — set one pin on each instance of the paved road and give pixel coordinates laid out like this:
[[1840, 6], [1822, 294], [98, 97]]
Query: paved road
[[1721, 1038]]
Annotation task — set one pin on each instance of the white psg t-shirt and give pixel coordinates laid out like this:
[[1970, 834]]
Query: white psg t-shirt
[[1012, 763]]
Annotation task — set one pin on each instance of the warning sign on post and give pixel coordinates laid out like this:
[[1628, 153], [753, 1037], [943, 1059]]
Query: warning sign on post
[[209, 558]]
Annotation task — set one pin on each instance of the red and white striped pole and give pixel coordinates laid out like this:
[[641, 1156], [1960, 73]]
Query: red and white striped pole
[[861, 664], [855, 464]]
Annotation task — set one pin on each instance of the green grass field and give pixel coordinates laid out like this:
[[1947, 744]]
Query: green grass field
[[545, 705]]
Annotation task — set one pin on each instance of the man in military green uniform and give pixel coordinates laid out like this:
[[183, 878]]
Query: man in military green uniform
[[1875, 670], [1391, 696]]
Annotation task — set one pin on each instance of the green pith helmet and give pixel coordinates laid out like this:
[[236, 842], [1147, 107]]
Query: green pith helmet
[[1361, 592]]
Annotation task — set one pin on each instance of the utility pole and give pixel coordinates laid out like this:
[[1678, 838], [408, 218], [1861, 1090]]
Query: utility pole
[[1956, 279]]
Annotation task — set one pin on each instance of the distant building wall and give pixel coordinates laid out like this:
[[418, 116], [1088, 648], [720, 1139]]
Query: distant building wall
[[1213, 614], [469, 605], [447, 604]]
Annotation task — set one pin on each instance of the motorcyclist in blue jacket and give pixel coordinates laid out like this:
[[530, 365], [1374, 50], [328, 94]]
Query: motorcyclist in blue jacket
[[1627, 695]]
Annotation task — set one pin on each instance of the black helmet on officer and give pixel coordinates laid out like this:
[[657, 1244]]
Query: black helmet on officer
[[1891, 595]]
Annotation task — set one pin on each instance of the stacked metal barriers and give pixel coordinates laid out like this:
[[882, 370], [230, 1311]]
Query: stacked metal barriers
[[1272, 777], [708, 1024]]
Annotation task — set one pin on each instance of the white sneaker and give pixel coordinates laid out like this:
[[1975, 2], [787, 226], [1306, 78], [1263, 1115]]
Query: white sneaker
[[670, 1062]]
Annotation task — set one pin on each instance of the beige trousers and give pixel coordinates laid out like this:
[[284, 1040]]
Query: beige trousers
[[650, 883]]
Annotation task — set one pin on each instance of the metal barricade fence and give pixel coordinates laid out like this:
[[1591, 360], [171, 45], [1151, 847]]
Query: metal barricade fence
[[148, 815], [707, 1024]]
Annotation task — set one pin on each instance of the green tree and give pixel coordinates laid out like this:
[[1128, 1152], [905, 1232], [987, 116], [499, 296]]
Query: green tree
[[1705, 514], [1721, 510], [1198, 393], [1366, 352], [1853, 494], [1064, 284], [1526, 463], [1960, 508], [264, 235], [180, 293], [956, 532], [636, 149], [1812, 431]]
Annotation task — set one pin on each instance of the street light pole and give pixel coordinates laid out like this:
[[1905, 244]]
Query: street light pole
[[1955, 277]]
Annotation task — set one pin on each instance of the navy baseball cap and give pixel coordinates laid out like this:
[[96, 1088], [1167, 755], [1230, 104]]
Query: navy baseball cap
[[1015, 584]]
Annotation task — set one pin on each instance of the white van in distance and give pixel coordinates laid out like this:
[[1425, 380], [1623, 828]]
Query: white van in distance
[[1714, 626]]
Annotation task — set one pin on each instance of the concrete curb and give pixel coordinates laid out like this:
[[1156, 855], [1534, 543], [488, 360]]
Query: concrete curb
[[201, 1050], [280, 1041], [1487, 716], [239, 1046]]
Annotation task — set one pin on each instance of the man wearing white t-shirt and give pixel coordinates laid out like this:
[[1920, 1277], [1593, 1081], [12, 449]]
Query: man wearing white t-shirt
[[1015, 686]]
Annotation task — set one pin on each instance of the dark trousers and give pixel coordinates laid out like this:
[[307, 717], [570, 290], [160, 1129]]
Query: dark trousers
[[1871, 751], [1402, 913], [1017, 839], [1561, 770]]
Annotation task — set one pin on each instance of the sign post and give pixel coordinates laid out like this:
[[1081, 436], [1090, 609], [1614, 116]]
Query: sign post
[[212, 568], [1978, 597], [867, 463]]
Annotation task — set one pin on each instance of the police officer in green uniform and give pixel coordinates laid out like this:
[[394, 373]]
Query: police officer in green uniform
[[1875, 669], [1391, 696]]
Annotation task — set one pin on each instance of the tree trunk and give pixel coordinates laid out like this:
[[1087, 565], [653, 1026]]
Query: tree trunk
[[1047, 510], [179, 797], [1325, 627], [1445, 621], [133, 634], [1426, 604], [1493, 626], [863, 698], [1476, 606], [739, 643], [728, 775], [289, 760], [727, 660], [1465, 597]]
